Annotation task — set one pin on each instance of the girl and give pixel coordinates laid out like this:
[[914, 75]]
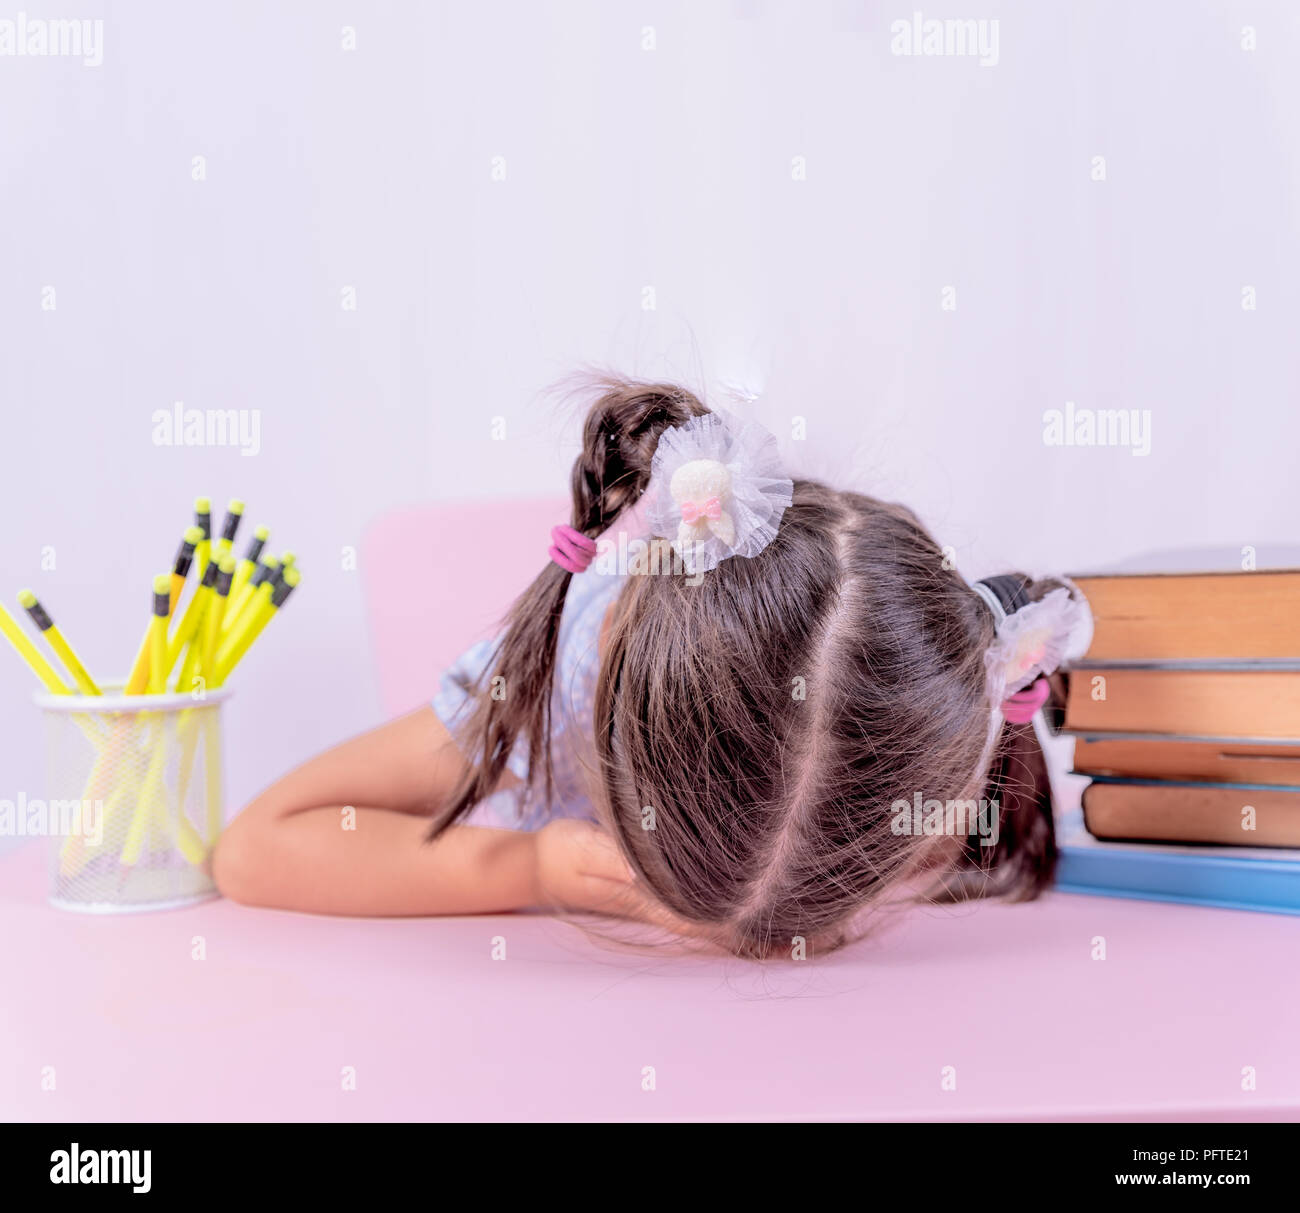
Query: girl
[[794, 711]]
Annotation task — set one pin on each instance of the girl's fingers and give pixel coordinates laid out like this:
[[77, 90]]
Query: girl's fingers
[[602, 880]]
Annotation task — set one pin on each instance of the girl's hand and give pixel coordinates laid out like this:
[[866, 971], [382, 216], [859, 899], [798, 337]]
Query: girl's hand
[[579, 867]]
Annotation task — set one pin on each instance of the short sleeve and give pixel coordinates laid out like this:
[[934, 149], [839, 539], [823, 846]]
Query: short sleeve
[[572, 747], [459, 686]]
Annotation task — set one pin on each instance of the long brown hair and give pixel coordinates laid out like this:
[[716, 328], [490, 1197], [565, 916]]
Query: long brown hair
[[756, 730]]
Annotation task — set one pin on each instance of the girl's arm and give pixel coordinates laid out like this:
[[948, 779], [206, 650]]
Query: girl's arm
[[344, 834]]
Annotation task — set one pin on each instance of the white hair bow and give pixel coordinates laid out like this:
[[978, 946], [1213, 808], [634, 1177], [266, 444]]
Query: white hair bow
[[1037, 639], [716, 490]]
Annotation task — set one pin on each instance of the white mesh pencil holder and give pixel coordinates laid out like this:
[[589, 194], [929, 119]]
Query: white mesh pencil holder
[[135, 802]]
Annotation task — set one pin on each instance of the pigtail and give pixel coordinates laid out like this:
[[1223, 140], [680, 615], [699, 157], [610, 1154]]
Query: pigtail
[[1023, 861], [610, 474]]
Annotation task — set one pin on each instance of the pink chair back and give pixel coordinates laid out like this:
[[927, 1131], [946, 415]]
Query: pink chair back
[[439, 577]]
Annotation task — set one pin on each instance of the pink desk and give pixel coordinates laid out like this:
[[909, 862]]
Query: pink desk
[[135, 1029]]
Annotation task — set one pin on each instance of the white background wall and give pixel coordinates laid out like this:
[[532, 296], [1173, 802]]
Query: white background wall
[[628, 168]]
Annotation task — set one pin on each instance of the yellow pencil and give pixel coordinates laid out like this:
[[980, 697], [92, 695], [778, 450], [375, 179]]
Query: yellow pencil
[[215, 615], [54, 638], [237, 611], [151, 788], [260, 599], [193, 658], [189, 727], [31, 655], [190, 541], [189, 624], [158, 635], [207, 636], [203, 520], [224, 545], [191, 630], [109, 764], [73, 844], [235, 648], [138, 679], [244, 569], [154, 800], [90, 726], [154, 796]]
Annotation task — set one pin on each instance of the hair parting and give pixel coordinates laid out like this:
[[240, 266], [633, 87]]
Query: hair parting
[[756, 727]]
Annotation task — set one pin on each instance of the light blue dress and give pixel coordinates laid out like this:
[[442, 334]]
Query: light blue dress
[[573, 754]]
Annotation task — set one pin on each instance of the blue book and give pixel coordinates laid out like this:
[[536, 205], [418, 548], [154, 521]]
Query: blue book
[[1232, 878]]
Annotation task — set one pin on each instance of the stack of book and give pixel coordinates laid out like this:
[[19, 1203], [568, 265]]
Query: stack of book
[[1186, 712]]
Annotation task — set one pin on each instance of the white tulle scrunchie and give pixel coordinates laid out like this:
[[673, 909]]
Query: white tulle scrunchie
[[1035, 641], [716, 490]]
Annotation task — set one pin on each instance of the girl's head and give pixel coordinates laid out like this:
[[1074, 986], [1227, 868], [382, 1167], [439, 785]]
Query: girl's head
[[771, 734]]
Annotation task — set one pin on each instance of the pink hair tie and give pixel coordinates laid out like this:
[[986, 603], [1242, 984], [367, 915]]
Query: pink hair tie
[[572, 550], [1023, 706]]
